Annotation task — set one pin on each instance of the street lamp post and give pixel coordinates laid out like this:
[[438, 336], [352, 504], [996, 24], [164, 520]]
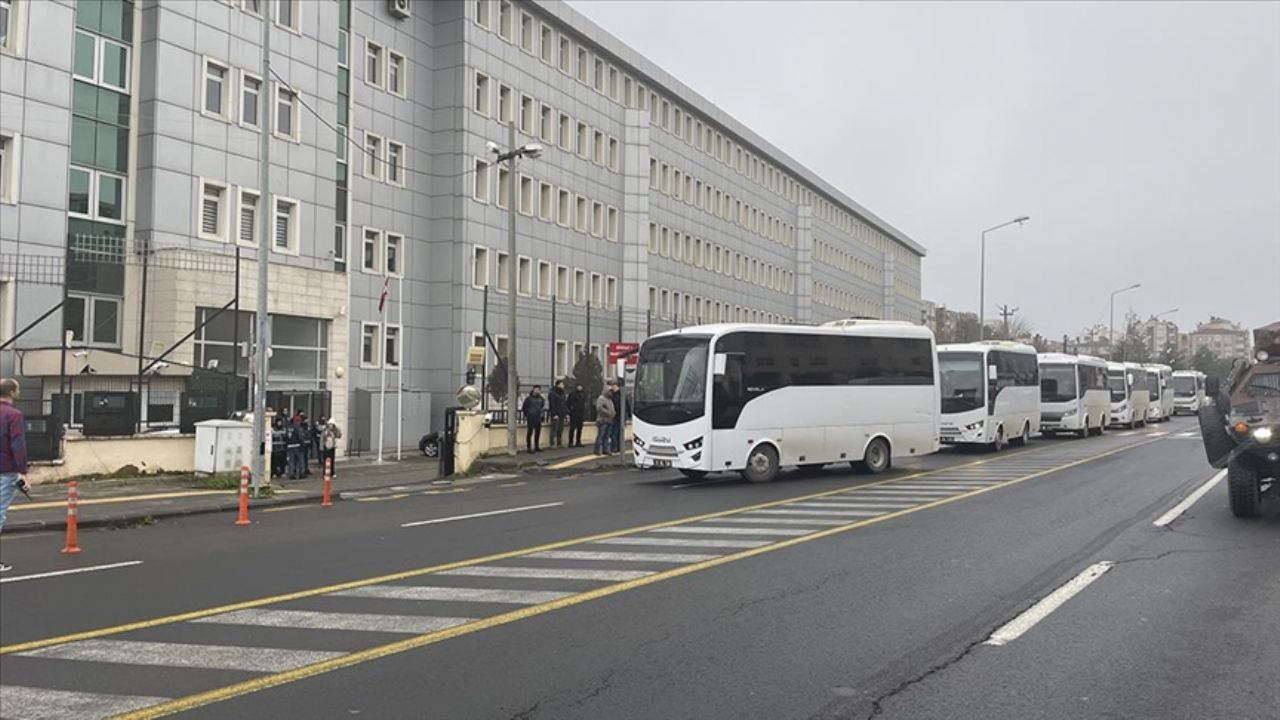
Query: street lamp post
[[512, 154], [1111, 327], [982, 282]]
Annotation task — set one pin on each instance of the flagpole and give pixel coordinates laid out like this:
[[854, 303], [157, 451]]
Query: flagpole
[[400, 347], [382, 374]]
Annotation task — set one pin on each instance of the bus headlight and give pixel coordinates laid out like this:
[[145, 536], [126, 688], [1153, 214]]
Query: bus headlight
[[637, 441], [1069, 412], [1262, 434], [693, 444], [974, 426]]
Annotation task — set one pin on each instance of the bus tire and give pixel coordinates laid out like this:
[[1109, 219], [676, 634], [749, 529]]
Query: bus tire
[[693, 474], [1100, 428], [1243, 487], [762, 464], [998, 443], [876, 458], [1085, 431], [1023, 439]]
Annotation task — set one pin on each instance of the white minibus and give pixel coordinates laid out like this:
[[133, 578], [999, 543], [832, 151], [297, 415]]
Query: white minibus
[[1188, 391], [1129, 397], [755, 398], [1160, 390], [990, 393], [1073, 394]]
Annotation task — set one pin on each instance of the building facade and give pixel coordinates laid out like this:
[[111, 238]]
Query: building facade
[[1221, 337], [1162, 336], [132, 195]]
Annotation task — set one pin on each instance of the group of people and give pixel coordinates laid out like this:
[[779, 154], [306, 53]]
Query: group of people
[[295, 441], [560, 406]]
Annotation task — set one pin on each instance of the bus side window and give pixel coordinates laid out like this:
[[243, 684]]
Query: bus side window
[[727, 394]]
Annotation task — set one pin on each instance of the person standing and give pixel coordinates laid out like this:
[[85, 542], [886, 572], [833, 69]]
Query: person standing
[[329, 437], [293, 449], [13, 450], [577, 411], [604, 422], [279, 460], [306, 431], [559, 413], [533, 407], [618, 420]]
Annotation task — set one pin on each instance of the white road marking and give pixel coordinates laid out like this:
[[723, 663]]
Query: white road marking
[[547, 573], [905, 491], [622, 556], [453, 594], [436, 521], [1189, 433], [943, 486], [853, 503], [713, 530], [682, 542], [28, 703], [184, 655], [1157, 434], [313, 620], [73, 571], [1189, 500], [749, 518], [1016, 627], [826, 513]]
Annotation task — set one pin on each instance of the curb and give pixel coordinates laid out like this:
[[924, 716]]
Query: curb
[[123, 520]]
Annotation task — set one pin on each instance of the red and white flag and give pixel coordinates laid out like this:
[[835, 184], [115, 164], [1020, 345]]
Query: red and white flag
[[382, 298]]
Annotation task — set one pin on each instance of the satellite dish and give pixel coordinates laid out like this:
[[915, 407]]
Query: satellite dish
[[469, 397]]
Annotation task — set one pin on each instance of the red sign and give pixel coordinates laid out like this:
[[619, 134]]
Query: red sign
[[628, 350]]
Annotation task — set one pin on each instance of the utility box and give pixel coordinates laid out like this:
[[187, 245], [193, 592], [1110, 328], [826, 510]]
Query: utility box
[[223, 446], [44, 437]]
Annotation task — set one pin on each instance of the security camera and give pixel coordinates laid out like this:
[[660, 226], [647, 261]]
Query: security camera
[[493, 147]]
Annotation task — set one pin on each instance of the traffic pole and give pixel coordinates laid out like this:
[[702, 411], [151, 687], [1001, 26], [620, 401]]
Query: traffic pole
[[73, 500], [243, 519], [326, 500]]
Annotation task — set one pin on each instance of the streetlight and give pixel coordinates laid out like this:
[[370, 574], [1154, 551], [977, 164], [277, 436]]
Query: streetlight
[[1111, 328], [530, 150], [982, 284]]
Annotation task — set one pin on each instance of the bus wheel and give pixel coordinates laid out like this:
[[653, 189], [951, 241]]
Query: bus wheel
[[876, 459], [762, 465], [998, 444], [1085, 431], [693, 474], [1024, 438], [1102, 422]]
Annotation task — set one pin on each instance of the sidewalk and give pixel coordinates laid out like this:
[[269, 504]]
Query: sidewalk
[[552, 461], [135, 501]]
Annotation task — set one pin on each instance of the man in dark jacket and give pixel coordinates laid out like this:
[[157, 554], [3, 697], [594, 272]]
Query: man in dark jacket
[[559, 403], [13, 450], [577, 414], [279, 461], [532, 409], [293, 445], [616, 396]]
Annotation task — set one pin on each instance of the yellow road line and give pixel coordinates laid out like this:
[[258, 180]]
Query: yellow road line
[[246, 687], [384, 498], [287, 508], [573, 461], [123, 499]]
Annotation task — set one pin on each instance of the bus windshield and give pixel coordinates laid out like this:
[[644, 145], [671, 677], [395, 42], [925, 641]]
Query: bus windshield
[[1115, 381], [671, 380], [963, 381], [1057, 383], [1184, 386]]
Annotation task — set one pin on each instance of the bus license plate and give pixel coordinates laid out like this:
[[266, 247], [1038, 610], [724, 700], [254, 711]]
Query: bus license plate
[[662, 463]]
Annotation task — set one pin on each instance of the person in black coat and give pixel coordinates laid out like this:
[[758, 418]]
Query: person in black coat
[[533, 407], [616, 396], [559, 404], [577, 407], [278, 459]]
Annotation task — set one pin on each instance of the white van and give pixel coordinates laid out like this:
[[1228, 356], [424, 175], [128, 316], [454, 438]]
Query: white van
[[1160, 389], [1073, 394], [990, 393], [1188, 391], [1129, 396]]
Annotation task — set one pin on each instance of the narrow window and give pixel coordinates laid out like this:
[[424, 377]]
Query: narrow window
[[250, 99], [396, 73], [395, 163], [215, 88], [481, 191], [373, 63], [248, 218], [479, 267]]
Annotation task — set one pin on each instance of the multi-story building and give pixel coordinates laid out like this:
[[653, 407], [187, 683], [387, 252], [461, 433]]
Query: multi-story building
[[1162, 335], [130, 137], [1221, 337]]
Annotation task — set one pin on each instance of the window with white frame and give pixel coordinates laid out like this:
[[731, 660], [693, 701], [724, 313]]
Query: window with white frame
[[561, 359], [613, 154], [340, 244], [391, 345], [564, 208], [566, 54], [504, 187], [545, 201], [653, 238], [548, 46], [95, 194], [247, 218], [374, 55], [526, 114], [97, 59], [611, 292], [287, 119], [479, 267], [393, 254], [505, 25], [93, 320], [370, 334], [653, 299], [566, 132], [580, 219], [580, 287], [611, 224], [546, 124], [372, 156], [504, 272], [526, 32], [369, 250], [584, 140], [480, 100], [9, 168], [597, 289], [481, 178], [8, 26], [597, 219], [526, 195], [397, 69], [483, 13], [584, 65], [287, 226], [597, 148], [217, 89], [213, 209], [524, 276], [544, 280], [395, 163], [288, 14], [563, 291], [504, 103], [250, 100], [598, 75]]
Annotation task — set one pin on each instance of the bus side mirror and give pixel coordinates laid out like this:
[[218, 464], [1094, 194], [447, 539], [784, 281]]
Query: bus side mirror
[[718, 363], [991, 372]]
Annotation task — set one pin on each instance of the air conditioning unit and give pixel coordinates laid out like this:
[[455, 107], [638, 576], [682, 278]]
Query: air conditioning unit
[[398, 8]]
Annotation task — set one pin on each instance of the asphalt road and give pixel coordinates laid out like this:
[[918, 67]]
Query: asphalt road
[[639, 595]]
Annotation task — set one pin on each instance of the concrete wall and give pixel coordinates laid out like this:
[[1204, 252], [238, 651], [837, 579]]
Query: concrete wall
[[106, 456]]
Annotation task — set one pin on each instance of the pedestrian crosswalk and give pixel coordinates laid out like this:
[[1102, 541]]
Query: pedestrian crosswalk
[[449, 600]]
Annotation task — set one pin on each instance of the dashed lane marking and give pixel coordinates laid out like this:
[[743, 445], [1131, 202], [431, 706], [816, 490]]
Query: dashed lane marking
[[1015, 628], [490, 513], [1176, 511], [73, 571]]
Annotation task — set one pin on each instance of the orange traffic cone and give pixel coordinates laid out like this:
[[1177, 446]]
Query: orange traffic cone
[[73, 500], [326, 500], [243, 519]]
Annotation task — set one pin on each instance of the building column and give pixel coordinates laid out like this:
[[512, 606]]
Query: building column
[[804, 264], [634, 231]]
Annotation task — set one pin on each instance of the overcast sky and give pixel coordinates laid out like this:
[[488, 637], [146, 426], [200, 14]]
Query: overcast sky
[[1142, 138]]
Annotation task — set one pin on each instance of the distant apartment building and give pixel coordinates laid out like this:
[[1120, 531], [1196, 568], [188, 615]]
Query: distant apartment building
[[1161, 335], [1220, 336], [131, 207]]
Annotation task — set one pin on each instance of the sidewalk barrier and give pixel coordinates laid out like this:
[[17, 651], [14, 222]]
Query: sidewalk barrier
[[73, 500], [243, 519], [327, 500]]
